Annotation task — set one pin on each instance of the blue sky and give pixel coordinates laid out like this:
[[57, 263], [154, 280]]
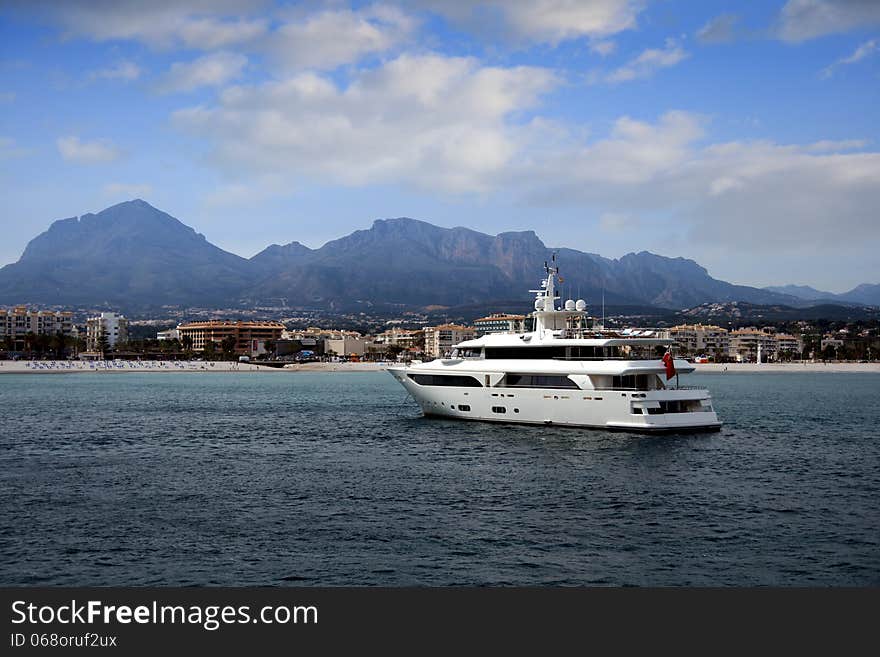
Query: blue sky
[[742, 135]]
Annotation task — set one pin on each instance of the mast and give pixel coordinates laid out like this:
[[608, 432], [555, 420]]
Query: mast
[[545, 297]]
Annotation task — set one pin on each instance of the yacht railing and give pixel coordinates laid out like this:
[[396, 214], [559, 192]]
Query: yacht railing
[[657, 358], [614, 389]]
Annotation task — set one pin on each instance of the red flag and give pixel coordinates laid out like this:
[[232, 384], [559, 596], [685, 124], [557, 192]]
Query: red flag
[[670, 365]]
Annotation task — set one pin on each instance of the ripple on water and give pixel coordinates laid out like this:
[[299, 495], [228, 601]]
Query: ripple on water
[[333, 479]]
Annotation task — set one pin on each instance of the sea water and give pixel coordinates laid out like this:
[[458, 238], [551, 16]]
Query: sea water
[[336, 479]]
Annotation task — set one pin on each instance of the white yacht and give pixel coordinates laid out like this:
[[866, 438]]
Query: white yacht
[[568, 371]]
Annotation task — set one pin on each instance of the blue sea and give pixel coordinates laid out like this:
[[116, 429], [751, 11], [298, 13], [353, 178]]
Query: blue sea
[[335, 479]]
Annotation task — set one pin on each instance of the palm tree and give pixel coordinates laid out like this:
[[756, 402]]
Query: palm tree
[[43, 343], [30, 341], [227, 346], [59, 341]]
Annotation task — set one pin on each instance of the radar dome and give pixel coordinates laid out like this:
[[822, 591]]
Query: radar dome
[[539, 304], [581, 305], [569, 305]]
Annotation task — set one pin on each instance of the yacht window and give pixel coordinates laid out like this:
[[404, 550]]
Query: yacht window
[[456, 380], [538, 381], [516, 353], [499, 409], [630, 382], [636, 411], [464, 407]]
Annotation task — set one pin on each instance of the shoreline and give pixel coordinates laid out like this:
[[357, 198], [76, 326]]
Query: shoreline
[[111, 367], [776, 368], [128, 367]]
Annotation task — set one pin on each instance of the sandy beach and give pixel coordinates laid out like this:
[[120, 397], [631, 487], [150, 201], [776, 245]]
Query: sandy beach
[[788, 367], [103, 367], [122, 367]]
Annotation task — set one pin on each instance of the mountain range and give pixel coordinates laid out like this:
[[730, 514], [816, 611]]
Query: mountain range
[[133, 255], [865, 293]]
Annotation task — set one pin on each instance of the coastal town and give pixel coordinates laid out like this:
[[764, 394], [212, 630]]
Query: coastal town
[[33, 334]]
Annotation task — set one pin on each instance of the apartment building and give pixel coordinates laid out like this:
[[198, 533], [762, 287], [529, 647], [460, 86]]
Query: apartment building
[[744, 345], [113, 326], [700, 339], [16, 323], [398, 337], [439, 340]]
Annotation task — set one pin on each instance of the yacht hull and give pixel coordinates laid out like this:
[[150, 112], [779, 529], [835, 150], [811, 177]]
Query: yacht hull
[[597, 409]]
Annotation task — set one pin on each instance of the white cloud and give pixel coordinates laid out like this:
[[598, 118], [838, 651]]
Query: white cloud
[[123, 70], [200, 24], [603, 48], [801, 20], [778, 197], [865, 50], [721, 29], [724, 184], [127, 191], [213, 33], [87, 152], [542, 21], [209, 70], [451, 125], [328, 39], [436, 122], [558, 20], [828, 145], [648, 62], [616, 222]]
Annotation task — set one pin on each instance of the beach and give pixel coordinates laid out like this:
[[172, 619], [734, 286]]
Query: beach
[[797, 367], [121, 367]]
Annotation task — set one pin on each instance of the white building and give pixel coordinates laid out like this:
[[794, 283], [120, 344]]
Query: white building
[[744, 345], [170, 334], [791, 344], [398, 337], [16, 323], [346, 345], [700, 339], [113, 326], [500, 323], [439, 340]]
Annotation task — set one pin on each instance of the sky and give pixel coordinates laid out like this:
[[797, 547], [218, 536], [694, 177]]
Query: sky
[[745, 136]]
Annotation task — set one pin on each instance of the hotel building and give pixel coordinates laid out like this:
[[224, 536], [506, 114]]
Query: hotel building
[[250, 337], [499, 323]]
